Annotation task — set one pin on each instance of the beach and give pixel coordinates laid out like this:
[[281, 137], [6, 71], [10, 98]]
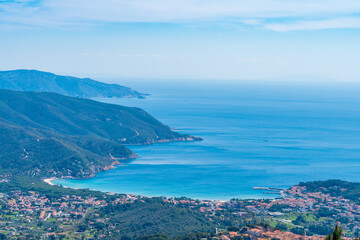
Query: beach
[[49, 181]]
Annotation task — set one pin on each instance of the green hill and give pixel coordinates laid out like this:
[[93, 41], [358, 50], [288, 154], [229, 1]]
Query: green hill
[[48, 134], [335, 188], [37, 81], [151, 216]]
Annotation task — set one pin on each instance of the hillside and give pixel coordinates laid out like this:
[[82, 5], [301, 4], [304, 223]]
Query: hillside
[[32, 80], [335, 188], [152, 216], [94, 213], [48, 134]]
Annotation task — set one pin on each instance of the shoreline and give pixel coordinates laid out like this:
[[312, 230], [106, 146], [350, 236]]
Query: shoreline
[[278, 193], [49, 181], [256, 197], [115, 164]]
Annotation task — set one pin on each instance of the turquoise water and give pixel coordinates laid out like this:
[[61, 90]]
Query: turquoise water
[[255, 134]]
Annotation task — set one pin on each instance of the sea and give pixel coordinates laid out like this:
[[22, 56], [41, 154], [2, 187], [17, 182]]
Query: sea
[[255, 134]]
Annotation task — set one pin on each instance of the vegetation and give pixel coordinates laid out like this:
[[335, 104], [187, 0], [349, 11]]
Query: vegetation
[[25, 184], [32, 80], [348, 190], [321, 229], [83, 213], [336, 235], [190, 236], [152, 216], [279, 208], [92, 214], [48, 134]]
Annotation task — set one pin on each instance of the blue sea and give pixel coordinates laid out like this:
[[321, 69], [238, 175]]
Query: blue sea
[[256, 134]]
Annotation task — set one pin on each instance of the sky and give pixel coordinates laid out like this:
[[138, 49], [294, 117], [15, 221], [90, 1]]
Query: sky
[[183, 39]]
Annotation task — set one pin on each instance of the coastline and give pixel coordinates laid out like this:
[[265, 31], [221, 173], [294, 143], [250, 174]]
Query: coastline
[[258, 196], [49, 181], [185, 138], [116, 164], [266, 194]]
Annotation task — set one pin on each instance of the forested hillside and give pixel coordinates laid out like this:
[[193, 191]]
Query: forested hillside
[[51, 134]]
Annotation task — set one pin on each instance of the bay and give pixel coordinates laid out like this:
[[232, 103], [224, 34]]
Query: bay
[[255, 134]]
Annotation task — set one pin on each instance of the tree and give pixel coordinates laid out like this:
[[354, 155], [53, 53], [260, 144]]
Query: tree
[[233, 229], [299, 220], [159, 236], [282, 226], [336, 234], [82, 228]]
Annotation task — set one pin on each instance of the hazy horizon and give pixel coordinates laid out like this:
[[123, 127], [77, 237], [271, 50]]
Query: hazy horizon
[[118, 79], [188, 40]]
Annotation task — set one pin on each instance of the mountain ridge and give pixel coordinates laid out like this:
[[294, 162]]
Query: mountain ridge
[[40, 81]]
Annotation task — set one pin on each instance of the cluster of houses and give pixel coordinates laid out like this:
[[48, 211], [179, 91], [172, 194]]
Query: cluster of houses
[[20, 209], [262, 233]]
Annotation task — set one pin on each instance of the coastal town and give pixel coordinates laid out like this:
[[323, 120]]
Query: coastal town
[[179, 120], [296, 214]]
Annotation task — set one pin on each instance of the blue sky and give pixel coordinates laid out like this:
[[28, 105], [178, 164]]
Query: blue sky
[[200, 39]]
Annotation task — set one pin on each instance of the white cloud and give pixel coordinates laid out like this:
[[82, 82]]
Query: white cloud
[[250, 12], [174, 10], [153, 55], [316, 25]]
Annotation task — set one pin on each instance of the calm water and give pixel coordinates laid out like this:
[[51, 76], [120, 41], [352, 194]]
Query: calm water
[[255, 134]]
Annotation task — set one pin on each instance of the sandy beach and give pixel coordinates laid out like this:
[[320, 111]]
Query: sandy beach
[[49, 181]]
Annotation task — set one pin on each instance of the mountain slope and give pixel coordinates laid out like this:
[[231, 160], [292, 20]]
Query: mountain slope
[[152, 216], [33, 80], [50, 134]]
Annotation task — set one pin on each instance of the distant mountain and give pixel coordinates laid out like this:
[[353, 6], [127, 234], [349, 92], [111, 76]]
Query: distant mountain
[[49, 134], [37, 81]]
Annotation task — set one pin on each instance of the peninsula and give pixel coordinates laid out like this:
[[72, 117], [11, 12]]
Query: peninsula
[[51, 135], [38, 81]]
